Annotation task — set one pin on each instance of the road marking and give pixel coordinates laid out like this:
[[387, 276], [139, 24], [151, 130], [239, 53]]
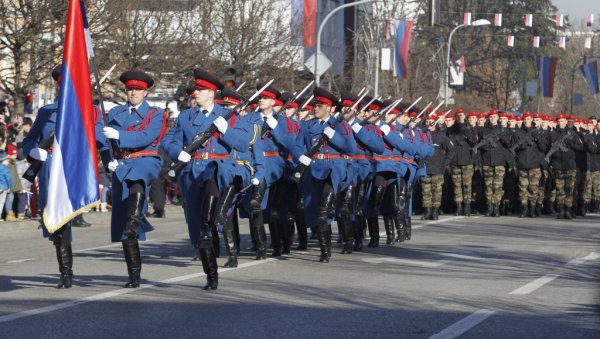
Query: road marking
[[20, 261], [118, 244], [436, 222], [579, 261], [422, 263], [462, 256], [121, 291], [534, 285], [463, 325]]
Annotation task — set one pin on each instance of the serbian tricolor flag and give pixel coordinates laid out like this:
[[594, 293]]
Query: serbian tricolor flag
[[498, 19], [73, 183], [590, 72], [547, 70], [403, 36], [528, 20]]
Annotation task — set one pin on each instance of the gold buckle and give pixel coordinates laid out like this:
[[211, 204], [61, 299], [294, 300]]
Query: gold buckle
[[127, 155], [205, 155], [347, 157], [321, 156]]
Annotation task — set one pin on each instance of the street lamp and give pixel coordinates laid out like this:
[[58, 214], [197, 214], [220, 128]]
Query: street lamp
[[480, 22], [353, 4]]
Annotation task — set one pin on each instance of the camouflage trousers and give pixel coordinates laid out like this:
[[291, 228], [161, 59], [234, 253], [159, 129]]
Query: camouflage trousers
[[462, 177], [493, 177], [565, 182], [529, 184], [432, 190], [592, 187]]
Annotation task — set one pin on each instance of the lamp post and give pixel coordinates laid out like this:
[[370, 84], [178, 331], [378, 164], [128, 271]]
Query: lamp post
[[480, 22], [317, 75]]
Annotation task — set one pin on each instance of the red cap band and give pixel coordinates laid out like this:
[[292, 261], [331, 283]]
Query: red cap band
[[232, 100], [268, 94], [206, 84], [347, 103], [136, 84], [324, 100]]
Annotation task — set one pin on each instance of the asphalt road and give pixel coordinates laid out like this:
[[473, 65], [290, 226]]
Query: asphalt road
[[470, 277]]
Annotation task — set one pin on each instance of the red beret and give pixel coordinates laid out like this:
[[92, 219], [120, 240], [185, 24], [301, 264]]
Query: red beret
[[471, 114], [480, 116], [493, 112], [526, 115], [450, 117], [11, 149], [519, 118], [502, 115], [561, 116], [512, 117], [460, 110]]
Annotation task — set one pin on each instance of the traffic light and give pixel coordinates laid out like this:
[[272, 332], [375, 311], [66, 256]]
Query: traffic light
[[231, 75]]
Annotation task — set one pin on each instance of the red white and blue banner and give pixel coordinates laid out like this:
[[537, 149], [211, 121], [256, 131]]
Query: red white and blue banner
[[590, 72], [403, 36], [546, 67], [73, 183]]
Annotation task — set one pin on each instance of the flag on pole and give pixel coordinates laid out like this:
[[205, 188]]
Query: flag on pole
[[403, 36], [461, 65], [590, 72], [390, 28], [590, 20], [73, 183], [86, 28], [562, 42], [310, 23], [510, 41], [528, 20], [467, 18], [560, 20], [547, 70], [588, 42], [498, 19], [536, 42]]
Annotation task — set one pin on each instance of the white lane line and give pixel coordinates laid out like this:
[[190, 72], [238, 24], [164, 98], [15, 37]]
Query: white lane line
[[579, 261], [121, 291], [462, 256], [534, 285], [117, 244], [20, 261], [421, 263], [463, 325], [436, 222]]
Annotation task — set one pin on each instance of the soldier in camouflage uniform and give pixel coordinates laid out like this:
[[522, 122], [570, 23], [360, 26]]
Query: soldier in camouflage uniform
[[590, 189], [564, 141]]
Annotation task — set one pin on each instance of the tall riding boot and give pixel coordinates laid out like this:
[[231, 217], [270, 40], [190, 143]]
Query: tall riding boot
[[257, 196], [216, 241], [388, 223], [209, 264], [400, 227], [135, 205], [467, 209], [435, 212], [231, 247], [260, 236], [236, 230], [275, 230], [302, 236], [359, 232], [287, 236], [131, 250], [373, 225], [208, 228], [64, 256], [524, 211], [323, 228], [223, 205], [324, 238], [531, 210]]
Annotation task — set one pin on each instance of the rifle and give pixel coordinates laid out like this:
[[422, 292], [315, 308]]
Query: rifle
[[265, 127], [415, 118], [488, 139], [302, 107], [201, 138], [240, 87], [528, 139], [409, 107], [558, 145], [365, 107], [299, 171]]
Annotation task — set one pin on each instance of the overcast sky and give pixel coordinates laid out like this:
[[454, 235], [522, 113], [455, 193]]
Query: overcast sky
[[578, 9]]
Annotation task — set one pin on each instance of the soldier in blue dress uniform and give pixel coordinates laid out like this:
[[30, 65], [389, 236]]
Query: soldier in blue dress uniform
[[42, 128], [327, 169], [208, 170], [135, 130]]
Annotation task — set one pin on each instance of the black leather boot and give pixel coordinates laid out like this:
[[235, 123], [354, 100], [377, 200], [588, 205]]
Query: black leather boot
[[209, 264], [275, 231], [400, 228], [359, 231], [524, 211], [287, 236], [78, 221], [231, 247], [435, 213], [64, 256], [225, 201], [323, 229], [131, 250], [260, 236], [388, 223], [373, 225], [257, 196], [531, 209], [467, 209], [427, 214], [135, 206], [324, 238]]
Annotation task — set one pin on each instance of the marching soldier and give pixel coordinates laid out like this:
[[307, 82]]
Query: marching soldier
[[42, 129], [135, 129], [564, 143], [591, 194], [327, 169]]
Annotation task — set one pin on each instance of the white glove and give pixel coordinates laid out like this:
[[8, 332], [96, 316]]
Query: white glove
[[221, 124], [329, 132], [356, 128], [184, 157], [112, 165], [254, 182], [39, 154], [304, 160], [272, 122], [110, 133], [385, 129]]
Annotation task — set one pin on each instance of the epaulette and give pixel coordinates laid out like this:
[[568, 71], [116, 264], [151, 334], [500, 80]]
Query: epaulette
[[255, 134]]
